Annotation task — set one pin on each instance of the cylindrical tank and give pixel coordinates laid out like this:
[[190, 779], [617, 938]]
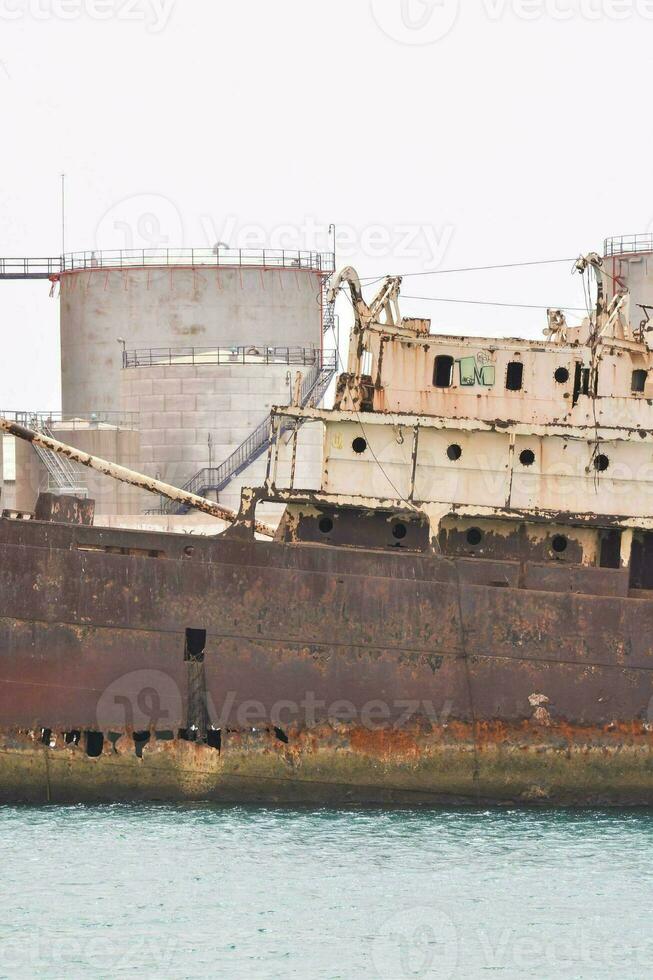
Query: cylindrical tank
[[174, 299], [628, 262]]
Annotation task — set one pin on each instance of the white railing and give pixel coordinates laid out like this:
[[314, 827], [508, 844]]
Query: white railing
[[627, 244]]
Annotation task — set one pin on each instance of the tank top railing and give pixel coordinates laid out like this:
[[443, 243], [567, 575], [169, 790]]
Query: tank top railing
[[625, 244], [28, 267], [216, 256]]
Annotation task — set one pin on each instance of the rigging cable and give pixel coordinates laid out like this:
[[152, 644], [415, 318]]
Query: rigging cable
[[369, 280]]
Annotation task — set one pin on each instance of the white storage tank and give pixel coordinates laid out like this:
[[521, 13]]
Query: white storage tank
[[158, 298]]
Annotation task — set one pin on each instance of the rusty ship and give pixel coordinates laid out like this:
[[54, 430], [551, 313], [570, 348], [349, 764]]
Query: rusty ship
[[462, 611]]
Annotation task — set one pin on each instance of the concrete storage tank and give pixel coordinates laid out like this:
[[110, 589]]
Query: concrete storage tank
[[195, 347], [159, 298]]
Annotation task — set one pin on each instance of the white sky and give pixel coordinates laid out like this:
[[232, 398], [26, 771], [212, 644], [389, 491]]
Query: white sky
[[434, 134]]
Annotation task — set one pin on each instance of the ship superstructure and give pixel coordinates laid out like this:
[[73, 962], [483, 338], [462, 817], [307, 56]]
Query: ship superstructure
[[459, 609], [507, 448]]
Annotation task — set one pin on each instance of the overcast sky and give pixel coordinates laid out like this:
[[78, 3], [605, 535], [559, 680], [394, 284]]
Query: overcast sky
[[434, 135]]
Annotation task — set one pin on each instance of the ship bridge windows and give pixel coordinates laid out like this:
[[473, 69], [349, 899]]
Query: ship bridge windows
[[638, 382], [443, 371], [514, 376]]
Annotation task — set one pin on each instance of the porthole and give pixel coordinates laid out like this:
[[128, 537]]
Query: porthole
[[601, 463], [325, 525], [559, 543], [359, 445], [474, 536], [454, 451], [561, 375], [399, 531], [527, 457]]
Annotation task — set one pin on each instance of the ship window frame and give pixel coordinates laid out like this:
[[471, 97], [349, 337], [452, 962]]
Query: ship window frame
[[515, 368], [638, 381], [443, 363], [561, 375]]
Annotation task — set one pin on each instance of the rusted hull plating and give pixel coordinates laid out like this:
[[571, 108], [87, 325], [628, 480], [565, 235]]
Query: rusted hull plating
[[326, 675]]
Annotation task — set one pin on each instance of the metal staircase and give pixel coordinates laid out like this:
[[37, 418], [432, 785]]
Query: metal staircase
[[63, 477], [216, 478]]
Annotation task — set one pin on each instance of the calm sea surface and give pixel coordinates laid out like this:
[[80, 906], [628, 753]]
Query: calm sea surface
[[208, 892]]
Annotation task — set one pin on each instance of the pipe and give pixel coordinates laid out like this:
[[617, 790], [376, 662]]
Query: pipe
[[125, 475]]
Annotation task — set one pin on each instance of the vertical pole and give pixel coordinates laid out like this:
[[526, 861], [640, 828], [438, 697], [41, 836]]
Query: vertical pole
[[63, 215], [332, 230], [413, 467]]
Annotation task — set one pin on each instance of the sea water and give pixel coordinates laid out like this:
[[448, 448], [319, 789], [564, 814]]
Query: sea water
[[200, 891]]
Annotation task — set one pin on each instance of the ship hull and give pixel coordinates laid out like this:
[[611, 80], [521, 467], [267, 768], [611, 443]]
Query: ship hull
[[326, 675]]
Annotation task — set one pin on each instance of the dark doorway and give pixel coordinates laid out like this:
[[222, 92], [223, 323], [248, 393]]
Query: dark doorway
[[610, 555], [641, 561]]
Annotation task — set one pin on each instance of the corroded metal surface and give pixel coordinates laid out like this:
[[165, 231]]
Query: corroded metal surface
[[64, 508], [331, 674]]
